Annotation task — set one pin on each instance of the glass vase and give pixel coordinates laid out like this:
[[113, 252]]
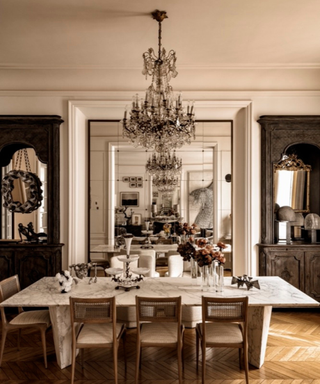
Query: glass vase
[[194, 271], [204, 273], [220, 278], [128, 240]]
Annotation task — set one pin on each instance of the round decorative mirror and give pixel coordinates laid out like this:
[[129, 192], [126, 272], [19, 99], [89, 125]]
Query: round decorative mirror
[[21, 191]]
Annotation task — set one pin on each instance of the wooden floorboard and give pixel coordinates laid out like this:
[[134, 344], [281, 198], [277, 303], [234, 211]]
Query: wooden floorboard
[[292, 357]]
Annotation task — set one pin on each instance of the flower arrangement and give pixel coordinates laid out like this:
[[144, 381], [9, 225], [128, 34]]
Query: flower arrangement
[[187, 230], [202, 252]]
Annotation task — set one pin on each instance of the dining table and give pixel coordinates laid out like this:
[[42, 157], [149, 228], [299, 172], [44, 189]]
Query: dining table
[[273, 292]]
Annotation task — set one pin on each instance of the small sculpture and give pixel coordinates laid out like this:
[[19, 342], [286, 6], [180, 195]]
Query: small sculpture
[[65, 281], [245, 280], [81, 269], [30, 234]]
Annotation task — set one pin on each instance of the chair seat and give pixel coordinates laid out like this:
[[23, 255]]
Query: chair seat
[[98, 333], [164, 333], [219, 333], [32, 318]]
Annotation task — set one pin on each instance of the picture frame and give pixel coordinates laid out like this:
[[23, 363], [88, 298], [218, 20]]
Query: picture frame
[[129, 199], [132, 185], [133, 179], [139, 185], [136, 219], [125, 179], [139, 179]]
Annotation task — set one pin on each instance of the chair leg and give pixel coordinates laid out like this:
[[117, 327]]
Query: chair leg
[[3, 341], [115, 362], [124, 339], [203, 360], [246, 364], [179, 364], [197, 348], [44, 346], [241, 357], [138, 362], [19, 338], [73, 364]]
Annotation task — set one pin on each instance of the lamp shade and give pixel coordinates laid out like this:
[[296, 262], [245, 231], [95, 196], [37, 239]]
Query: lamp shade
[[286, 213], [312, 221]]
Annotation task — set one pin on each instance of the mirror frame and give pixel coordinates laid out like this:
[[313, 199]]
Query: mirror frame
[[292, 163]]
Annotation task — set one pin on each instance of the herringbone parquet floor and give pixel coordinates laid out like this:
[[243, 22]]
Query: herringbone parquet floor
[[292, 357]]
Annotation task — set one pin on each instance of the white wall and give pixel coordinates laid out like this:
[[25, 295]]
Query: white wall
[[246, 151]]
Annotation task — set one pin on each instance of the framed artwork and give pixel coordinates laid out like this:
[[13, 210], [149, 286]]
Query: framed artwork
[[125, 179], [132, 185], [133, 179], [136, 219], [200, 190], [129, 199], [139, 185], [139, 179]]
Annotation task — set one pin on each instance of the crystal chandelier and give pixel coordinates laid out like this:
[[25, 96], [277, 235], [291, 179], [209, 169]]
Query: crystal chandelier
[[159, 122], [164, 164], [165, 184]]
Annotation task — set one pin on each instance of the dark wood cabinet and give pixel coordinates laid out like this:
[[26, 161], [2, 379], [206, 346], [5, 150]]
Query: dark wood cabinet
[[286, 262], [32, 261], [297, 262]]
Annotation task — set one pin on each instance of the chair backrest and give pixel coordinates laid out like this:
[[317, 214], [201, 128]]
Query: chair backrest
[[9, 287], [175, 265], [148, 261], [95, 310], [159, 309], [226, 310]]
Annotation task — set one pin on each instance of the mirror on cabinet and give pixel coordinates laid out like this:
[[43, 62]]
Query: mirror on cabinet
[[123, 194], [292, 183], [24, 197]]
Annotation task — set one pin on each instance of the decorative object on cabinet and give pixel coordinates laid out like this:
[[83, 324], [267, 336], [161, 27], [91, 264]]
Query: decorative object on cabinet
[[297, 137], [30, 234], [136, 219], [42, 133]]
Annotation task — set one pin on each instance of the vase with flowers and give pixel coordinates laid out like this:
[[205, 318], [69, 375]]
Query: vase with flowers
[[187, 232], [209, 259]]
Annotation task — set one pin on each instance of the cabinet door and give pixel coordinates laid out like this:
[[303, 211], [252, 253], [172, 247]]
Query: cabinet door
[[312, 261], [288, 264], [34, 263], [6, 263]]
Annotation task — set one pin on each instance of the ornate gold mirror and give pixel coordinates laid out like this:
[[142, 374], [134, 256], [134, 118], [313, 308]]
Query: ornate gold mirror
[[292, 183]]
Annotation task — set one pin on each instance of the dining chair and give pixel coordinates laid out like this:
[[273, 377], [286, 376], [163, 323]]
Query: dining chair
[[175, 265], [159, 325], [224, 324], [94, 325], [39, 319]]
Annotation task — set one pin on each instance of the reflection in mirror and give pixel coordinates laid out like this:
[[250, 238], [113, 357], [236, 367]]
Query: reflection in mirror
[[24, 198], [118, 171], [292, 183]]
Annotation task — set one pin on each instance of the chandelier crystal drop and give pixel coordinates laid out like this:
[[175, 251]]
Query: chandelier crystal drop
[[159, 122]]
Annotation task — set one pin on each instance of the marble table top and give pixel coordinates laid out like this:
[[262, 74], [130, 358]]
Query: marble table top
[[156, 247], [274, 292]]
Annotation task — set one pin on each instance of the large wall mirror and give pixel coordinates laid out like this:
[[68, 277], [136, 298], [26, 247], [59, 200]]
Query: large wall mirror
[[121, 192], [23, 195]]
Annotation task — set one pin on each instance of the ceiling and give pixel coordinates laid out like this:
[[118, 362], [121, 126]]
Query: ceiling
[[107, 34]]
